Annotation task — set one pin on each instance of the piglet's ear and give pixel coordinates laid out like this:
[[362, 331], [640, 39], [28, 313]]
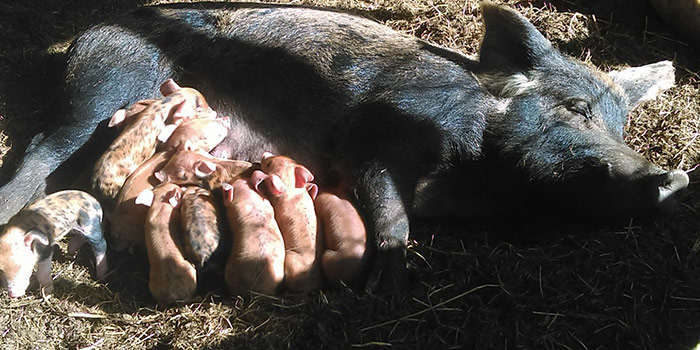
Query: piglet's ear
[[168, 87], [204, 168], [256, 178], [167, 131], [302, 176], [160, 176], [511, 43], [184, 110], [37, 236], [646, 82], [312, 188], [277, 186], [117, 118], [145, 198], [228, 192], [173, 197]]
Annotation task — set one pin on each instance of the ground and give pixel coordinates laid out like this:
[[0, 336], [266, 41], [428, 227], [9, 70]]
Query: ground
[[633, 286]]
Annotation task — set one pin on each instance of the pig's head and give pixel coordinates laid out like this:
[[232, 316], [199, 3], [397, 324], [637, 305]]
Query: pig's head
[[559, 123], [18, 255]]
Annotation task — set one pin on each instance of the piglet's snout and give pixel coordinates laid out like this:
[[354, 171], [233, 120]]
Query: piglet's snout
[[669, 184]]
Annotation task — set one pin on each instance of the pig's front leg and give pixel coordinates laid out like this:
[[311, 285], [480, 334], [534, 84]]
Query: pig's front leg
[[387, 223]]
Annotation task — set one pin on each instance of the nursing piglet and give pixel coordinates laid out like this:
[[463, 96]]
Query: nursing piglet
[[200, 168], [127, 220], [287, 185], [256, 262], [344, 237], [137, 142], [171, 277]]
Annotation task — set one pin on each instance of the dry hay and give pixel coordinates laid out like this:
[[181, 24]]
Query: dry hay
[[634, 286]]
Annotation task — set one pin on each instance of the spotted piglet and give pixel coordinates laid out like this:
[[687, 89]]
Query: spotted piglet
[[171, 277], [200, 225], [29, 237], [137, 142], [198, 134], [256, 260], [288, 187]]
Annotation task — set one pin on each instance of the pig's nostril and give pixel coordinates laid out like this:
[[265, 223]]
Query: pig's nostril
[[672, 182]]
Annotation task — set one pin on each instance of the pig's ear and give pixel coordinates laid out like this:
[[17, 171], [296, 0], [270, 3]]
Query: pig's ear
[[256, 178], [302, 176], [266, 155], [173, 197], [511, 43], [37, 236], [145, 198], [228, 192], [166, 132], [312, 188], [645, 82], [184, 110], [168, 87], [117, 118], [277, 186], [160, 176], [204, 168]]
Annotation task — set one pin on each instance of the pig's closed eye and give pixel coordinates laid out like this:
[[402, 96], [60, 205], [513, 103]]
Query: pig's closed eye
[[581, 108]]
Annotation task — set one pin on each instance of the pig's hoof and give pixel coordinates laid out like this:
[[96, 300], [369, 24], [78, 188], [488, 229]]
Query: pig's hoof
[[101, 269], [388, 273]]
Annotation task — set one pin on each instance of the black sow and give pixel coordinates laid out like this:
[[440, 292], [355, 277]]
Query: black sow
[[419, 130]]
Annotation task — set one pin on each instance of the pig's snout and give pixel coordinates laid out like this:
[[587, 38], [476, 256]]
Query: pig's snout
[[669, 184]]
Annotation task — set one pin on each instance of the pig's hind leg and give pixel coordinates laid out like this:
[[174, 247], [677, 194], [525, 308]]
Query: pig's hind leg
[[98, 84], [91, 231]]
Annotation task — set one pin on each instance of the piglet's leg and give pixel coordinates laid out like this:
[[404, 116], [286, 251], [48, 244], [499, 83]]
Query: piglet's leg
[[43, 275], [92, 232]]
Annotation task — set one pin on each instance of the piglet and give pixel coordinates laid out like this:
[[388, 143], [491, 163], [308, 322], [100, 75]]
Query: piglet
[[29, 237], [256, 261], [137, 142], [200, 225], [344, 237], [171, 277], [129, 213], [200, 168], [198, 134], [288, 187]]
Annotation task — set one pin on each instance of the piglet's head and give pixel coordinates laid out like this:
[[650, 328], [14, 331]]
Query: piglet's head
[[19, 252], [286, 169]]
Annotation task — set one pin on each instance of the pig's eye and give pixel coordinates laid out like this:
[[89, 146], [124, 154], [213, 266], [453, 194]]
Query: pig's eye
[[581, 108], [181, 174]]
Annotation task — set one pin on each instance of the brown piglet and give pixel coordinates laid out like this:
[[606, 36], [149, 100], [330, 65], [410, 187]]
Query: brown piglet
[[288, 187], [256, 261], [171, 277]]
